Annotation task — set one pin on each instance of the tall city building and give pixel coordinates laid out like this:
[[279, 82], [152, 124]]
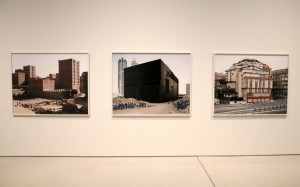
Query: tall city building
[[133, 62], [251, 79], [30, 72], [151, 81], [84, 83], [69, 77], [220, 80], [18, 77], [57, 86], [122, 64], [187, 89], [280, 84]]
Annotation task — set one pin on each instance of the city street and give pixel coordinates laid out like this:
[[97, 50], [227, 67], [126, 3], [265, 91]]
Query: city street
[[274, 107]]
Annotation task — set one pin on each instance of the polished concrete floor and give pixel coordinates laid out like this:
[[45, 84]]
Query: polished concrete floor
[[238, 171]]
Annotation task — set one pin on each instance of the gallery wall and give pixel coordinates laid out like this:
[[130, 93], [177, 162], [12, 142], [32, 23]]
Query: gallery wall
[[102, 27]]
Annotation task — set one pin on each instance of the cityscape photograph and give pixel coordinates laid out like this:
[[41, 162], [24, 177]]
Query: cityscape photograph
[[50, 83], [151, 84], [250, 84]]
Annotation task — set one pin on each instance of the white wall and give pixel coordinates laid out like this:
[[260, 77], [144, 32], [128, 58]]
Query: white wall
[[102, 27]]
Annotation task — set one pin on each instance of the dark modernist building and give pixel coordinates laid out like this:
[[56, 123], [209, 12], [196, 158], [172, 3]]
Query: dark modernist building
[[151, 81]]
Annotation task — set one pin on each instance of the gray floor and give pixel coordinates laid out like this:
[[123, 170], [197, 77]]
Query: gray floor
[[150, 171]]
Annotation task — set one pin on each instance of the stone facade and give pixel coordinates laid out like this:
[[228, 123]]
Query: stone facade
[[251, 79]]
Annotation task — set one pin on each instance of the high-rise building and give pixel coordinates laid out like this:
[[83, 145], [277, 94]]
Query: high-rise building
[[280, 84], [18, 77], [187, 87], [151, 81], [220, 81], [30, 72], [251, 79], [84, 83], [57, 81], [69, 77], [122, 64], [133, 62]]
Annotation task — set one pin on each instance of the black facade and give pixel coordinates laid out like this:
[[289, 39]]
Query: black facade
[[151, 81]]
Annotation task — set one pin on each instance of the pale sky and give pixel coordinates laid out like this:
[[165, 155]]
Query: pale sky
[[223, 62], [47, 63], [179, 63]]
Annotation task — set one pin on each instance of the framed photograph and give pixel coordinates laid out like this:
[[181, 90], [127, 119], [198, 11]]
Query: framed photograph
[[50, 84], [151, 84], [250, 84]]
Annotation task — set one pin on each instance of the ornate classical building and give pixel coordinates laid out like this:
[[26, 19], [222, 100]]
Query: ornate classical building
[[251, 79]]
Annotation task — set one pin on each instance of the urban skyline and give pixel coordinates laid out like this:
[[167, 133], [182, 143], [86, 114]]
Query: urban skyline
[[47, 63], [225, 61], [179, 63]]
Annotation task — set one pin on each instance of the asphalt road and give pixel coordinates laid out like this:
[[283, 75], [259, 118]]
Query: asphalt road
[[275, 107]]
